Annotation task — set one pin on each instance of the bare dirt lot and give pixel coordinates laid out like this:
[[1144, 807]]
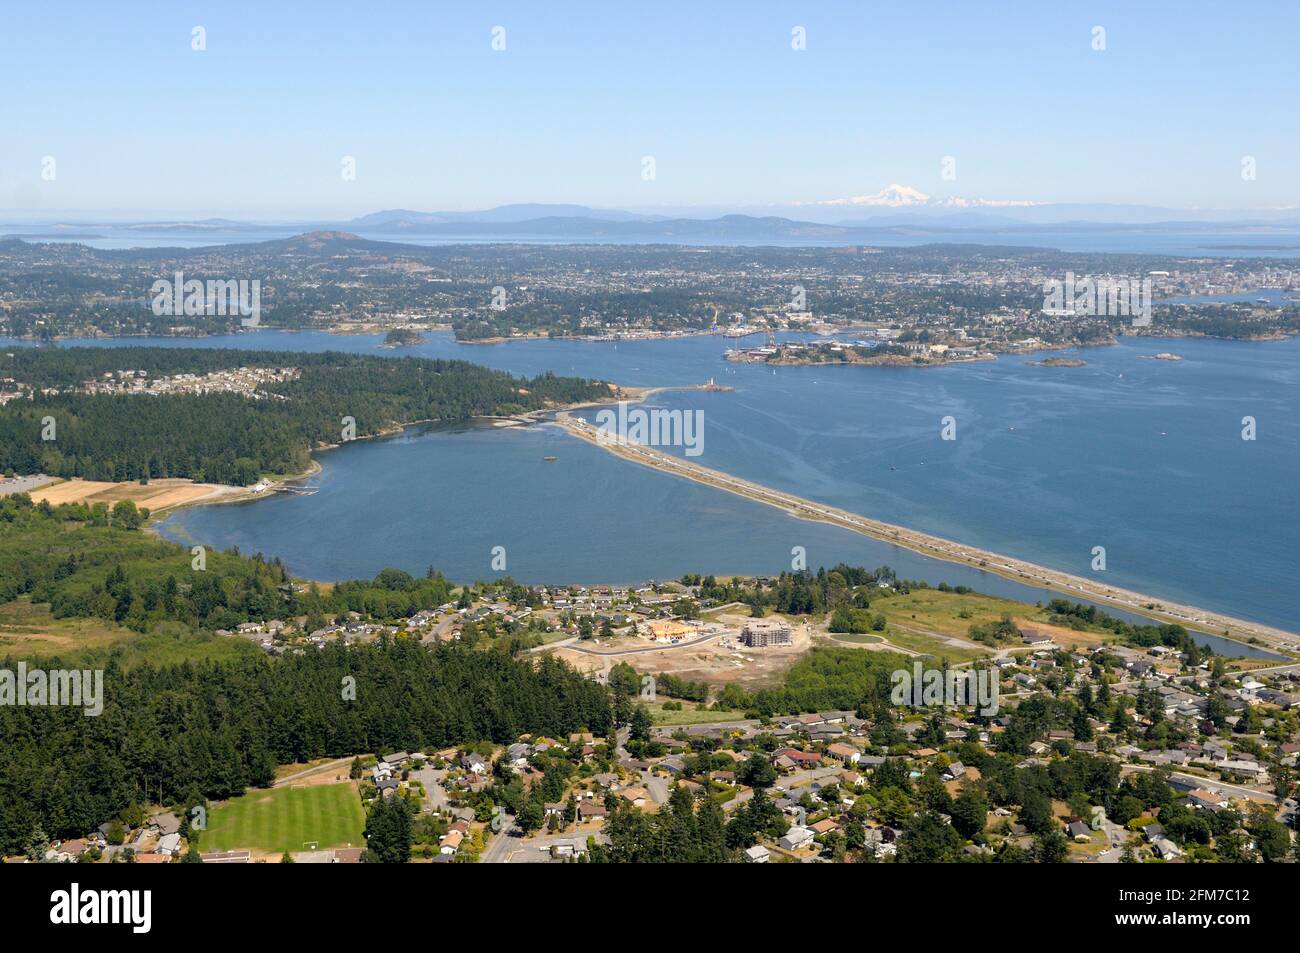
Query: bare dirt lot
[[708, 661]]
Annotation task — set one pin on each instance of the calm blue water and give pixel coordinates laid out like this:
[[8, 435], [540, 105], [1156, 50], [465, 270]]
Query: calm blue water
[[1264, 297], [1142, 457], [1277, 242]]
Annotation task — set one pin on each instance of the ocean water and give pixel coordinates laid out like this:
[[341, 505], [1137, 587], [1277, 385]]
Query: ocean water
[[1142, 457], [1276, 242]]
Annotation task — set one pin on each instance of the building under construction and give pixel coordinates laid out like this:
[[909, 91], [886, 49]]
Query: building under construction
[[761, 633]]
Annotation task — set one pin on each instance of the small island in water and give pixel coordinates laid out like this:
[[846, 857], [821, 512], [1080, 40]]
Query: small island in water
[[402, 337], [1058, 362]]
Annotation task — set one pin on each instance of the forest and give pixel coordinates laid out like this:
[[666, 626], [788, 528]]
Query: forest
[[234, 439], [194, 731], [92, 562]]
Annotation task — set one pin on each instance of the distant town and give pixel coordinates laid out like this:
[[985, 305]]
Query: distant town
[[987, 298]]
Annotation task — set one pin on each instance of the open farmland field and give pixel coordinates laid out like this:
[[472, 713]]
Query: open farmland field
[[284, 819], [156, 495]]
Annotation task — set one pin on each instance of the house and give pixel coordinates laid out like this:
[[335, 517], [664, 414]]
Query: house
[[1165, 849], [569, 848], [797, 757], [954, 771], [1079, 831], [1207, 800], [825, 732], [637, 797], [164, 822], [474, 763], [796, 837], [846, 753], [591, 810], [169, 845], [1035, 637], [556, 808], [450, 842], [71, 849], [758, 854], [824, 826]]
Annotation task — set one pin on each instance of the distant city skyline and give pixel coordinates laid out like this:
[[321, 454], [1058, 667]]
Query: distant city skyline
[[281, 116]]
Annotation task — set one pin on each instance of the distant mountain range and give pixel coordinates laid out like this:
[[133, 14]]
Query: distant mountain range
[[894, 210]]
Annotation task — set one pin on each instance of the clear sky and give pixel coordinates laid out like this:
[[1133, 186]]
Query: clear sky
[[257, 124]]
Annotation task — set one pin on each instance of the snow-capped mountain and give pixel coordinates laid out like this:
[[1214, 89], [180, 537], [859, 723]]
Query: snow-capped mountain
[[904, 196]]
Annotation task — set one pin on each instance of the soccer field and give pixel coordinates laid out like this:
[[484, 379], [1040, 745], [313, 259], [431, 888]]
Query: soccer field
[[283, 819]]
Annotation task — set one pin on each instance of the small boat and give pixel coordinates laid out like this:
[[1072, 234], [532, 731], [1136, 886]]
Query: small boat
[[549, 459]]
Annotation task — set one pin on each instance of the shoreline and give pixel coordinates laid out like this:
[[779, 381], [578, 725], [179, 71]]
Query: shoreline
[[1205, 621]]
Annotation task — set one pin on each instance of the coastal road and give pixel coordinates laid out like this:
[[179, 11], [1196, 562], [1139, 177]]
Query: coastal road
[[933, 546]]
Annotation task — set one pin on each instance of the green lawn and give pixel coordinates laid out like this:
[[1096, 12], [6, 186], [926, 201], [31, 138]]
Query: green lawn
[[283, 819]]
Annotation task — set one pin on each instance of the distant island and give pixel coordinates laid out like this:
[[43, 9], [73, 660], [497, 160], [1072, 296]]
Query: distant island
[[402, 337], [1058, 362], [1162, 356], [910, 354]]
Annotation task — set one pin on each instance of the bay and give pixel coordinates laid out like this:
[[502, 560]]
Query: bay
[[1141, 456]]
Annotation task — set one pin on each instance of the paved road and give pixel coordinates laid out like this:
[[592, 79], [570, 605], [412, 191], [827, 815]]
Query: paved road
[[536, 850], [791, 782], [435, 796], [1207, 783], [24, 484], [664, 647], [501, 845]]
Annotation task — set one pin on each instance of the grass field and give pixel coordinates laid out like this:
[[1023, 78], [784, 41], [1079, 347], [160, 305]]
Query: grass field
[[29, 630], [284, 819], [941, 613], [689, 715]]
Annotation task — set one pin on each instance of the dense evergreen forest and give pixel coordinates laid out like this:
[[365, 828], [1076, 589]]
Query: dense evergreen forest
[[230, 438], [195, 731], [95, 563]]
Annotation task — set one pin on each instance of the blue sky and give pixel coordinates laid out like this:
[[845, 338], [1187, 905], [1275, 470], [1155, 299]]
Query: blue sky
[[258, 123]]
